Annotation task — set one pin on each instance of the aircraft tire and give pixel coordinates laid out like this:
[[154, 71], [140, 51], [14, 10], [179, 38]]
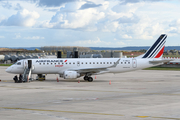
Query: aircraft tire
[[90, 79], [86, 78]]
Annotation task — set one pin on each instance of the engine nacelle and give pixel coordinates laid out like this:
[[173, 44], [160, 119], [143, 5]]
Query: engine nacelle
[[71, 75]]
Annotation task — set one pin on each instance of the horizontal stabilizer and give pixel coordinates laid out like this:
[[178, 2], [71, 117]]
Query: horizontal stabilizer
[[160, 61]]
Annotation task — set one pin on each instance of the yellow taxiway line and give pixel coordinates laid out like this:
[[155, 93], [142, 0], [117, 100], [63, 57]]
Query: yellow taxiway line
[[60, 111], [28, 109]]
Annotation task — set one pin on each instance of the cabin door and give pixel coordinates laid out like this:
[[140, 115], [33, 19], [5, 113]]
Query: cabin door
[[134, 63], [25, 64]]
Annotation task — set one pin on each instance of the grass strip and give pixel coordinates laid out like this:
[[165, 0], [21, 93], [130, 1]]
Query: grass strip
[[5, 64]]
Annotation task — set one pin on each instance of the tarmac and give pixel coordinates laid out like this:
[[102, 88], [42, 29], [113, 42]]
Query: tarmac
[[137, 95]]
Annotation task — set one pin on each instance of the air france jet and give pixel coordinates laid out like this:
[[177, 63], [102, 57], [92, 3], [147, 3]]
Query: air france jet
[[75, 68]]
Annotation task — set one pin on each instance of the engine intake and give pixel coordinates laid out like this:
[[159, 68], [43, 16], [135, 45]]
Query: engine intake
[[71, 75]]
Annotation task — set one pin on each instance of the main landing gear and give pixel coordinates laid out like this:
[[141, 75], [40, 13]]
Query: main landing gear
[[89, 79]]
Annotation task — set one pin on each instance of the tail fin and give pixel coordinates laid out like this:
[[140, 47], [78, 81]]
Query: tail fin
[[157, 49]]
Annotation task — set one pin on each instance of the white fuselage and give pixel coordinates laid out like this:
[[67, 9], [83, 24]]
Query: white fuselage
[[58, 66]]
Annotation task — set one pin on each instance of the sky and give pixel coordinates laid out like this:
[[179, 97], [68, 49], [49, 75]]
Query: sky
[[88, 23]]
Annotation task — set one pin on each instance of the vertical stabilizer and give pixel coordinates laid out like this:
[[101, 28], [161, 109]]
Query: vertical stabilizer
[[157, 49]]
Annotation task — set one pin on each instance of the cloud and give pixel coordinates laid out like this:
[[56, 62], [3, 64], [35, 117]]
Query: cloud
[[81, 19], [8, 5], [174, 26], [89, 5], [125, 19], [127, 36], [52, 3], [96, 42], [141, 21], [132, 21], [34, 38], [120, 43], [136, 1], [2, 37], [17, 36], [52, 10], [99, 43], [90, 42], [18, 7], [22, 18]]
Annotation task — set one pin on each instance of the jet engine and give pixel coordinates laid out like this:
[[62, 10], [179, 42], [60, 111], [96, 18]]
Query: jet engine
[[71, 75]]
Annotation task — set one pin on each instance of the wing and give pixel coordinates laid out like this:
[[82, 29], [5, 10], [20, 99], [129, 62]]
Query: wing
[[94, 70]]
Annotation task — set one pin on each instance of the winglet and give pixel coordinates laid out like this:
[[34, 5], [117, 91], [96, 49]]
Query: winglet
[[115, 64]]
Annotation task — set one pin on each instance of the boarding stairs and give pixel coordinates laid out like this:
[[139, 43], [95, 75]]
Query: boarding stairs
[[26, 74]]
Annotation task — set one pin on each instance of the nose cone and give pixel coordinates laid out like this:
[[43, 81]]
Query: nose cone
[[8, 69]]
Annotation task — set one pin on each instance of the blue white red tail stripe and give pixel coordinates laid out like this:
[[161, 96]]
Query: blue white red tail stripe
[[157, 48]]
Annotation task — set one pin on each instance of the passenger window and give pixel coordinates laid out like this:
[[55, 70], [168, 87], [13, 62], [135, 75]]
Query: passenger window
[[93, 62], [100, 62], [124, 62], [51, 63], [128, 62], [43, 63], [114, 62], [89, 62], [40, 63], [104, 62], [121, 62], [66, 63], [59, 63], [73, 63], [110, 62], [47, 63], [107, 62], [19, 63], [62, 63], [55, 63], [69, 63], [86, 62], [82, 63], [97, 62]]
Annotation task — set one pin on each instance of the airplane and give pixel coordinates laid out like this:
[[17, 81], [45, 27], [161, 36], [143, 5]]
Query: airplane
[[74, 68]]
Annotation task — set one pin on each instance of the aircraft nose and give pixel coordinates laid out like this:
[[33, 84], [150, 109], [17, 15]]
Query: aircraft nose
[[8, 69]]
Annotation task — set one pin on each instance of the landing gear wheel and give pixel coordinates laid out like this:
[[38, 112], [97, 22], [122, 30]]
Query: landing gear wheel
[[86, 78], [90, 79]]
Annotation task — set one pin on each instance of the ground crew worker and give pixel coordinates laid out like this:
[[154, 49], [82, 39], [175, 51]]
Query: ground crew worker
[[20, 78], [15, 79]]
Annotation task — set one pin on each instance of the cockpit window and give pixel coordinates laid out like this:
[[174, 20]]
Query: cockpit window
[[19, 63]]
